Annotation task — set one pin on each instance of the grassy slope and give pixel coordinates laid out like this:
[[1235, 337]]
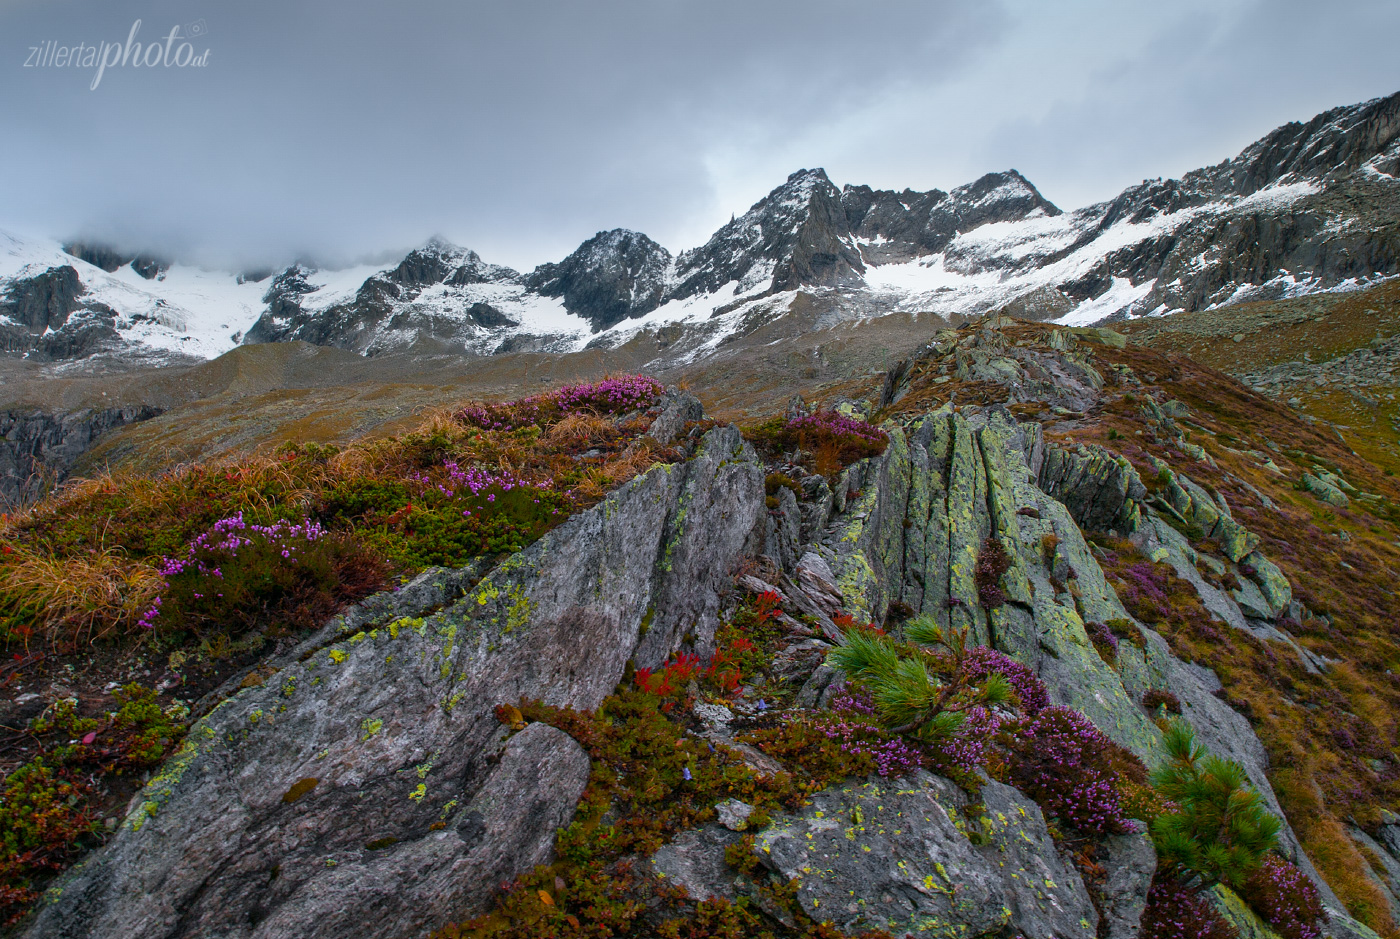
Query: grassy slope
[[1324, 327]]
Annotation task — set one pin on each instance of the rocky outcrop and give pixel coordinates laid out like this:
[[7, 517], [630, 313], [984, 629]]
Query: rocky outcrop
[[38, 449], [43, 301], [899, 855], [368, 772], [1100, 488], [931, 506], [359, 777]]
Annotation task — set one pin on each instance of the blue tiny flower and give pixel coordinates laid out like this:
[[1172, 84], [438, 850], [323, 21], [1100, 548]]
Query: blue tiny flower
[[686, 773]]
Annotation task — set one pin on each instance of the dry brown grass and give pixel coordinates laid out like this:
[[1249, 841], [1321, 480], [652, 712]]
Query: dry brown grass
[[578, 429], [80, 598]]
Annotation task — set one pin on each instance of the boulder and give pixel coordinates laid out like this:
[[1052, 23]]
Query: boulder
[[695, 860], [902, 855], [1325, 491], [1273, 584]]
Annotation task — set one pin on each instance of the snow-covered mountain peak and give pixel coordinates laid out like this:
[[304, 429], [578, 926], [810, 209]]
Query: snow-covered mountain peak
[[1311, 206]]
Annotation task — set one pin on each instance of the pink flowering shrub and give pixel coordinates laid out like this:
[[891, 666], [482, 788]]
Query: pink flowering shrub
[[239, 575], [853, 727], [961, 755], [1144, 588], [611, 395], [982, 661], [831, 440], [1066, 764], [1284, 897], [1104, 641], [1177, 912], [615, 395]]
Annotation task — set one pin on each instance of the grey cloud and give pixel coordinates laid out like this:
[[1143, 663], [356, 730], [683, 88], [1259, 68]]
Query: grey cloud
[[520, 128]]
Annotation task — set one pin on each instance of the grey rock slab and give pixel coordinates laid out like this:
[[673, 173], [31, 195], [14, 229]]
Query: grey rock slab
[[795, 663], [896, 855], [1273, 583], [733, 814], [679, 408], [508, 828], [1130, 861], [695, 860], [1389, 881], [394, 726]]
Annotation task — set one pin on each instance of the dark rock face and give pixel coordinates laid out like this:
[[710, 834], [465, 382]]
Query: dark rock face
[[37, 449], [1130, 862], [386, 303], [149, 266], [613, 276], [45, 316], [43, 301], [1345, 227], [794, 236], [913, 224], [99, 255]]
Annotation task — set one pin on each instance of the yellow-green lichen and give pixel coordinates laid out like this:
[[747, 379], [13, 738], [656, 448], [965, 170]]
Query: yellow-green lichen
[[337, 656], [371, 726], [414, 623]]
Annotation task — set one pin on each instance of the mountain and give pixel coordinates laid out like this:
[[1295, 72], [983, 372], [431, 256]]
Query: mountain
[[1311, 207], [613, 276]]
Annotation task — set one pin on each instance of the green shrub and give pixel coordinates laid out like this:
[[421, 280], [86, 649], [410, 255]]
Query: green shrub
[[1221, 830], [908, 697], [49, 807], [238, 577]]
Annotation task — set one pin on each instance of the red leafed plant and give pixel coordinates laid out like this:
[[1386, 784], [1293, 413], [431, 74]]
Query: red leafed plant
[[672, 677]]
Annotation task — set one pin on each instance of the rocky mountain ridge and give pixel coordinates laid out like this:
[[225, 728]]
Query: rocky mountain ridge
[[1311, 206]]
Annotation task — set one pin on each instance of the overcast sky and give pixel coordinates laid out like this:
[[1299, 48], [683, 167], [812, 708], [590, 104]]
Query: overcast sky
[[521, 127]]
